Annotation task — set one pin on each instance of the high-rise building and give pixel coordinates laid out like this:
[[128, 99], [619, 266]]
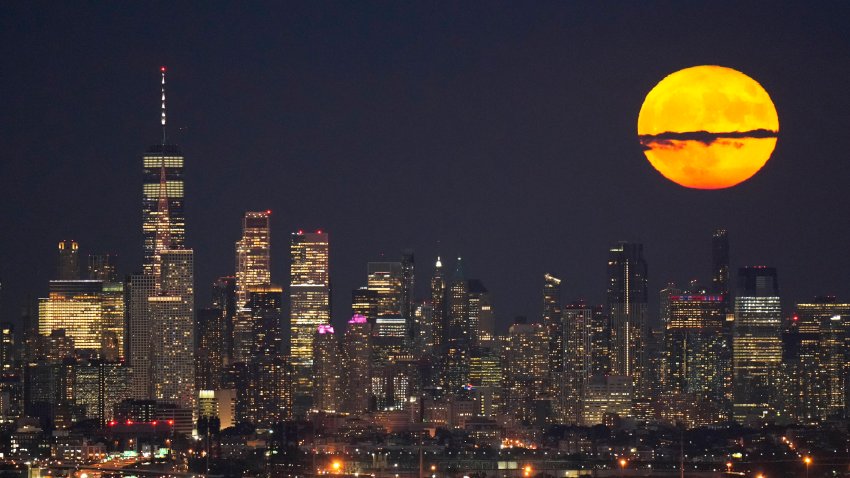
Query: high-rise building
[[577, 330], [481, 321], [69, 261], [720, 267], [525, 357], [458, 343], [309, 297], [224, 299], [552, 321], [439, 321], [601, 341], [253, 254], [172, 331], [357, 365], [268, 399], [163, 216], [627, 307], [695, 352], [757, 345], [385, 279], [364, 301], [407, 292], [75, 306], [141, 288], [326, 371], [815, 362], [102, 267], [209, 362], [486, 378], [606, 396]]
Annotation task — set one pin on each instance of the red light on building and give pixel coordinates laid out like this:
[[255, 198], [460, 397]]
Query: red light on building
[[113, 423], [171, 422], [162, 69], [129, 422], [153, 423], [268, 211]]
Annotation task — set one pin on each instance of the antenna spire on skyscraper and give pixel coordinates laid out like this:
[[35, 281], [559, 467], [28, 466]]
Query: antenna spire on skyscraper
[[162, 119]]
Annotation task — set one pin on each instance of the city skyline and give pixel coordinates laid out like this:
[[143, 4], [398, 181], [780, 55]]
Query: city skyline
[[292, 126]]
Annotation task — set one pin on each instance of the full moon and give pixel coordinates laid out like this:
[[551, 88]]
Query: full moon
[[708, 127]]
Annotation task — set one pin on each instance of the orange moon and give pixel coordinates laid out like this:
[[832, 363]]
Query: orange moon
[[708, 127]]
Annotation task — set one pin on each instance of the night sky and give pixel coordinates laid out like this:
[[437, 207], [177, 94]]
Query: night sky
[[503, 132]]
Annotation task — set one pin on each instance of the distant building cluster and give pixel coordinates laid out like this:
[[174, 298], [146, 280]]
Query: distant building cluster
[[136, 351]]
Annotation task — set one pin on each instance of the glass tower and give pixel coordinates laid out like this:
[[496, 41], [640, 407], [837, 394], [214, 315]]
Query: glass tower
[[309, 302]]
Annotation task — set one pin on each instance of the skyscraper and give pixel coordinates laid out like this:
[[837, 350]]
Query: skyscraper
[[69, 261], [326, 371], [526, 367], [481, 321], [357, 364], [269, 375], [438, 306], [457, 306], [720, 267], [209, 362], [75, 306], [815, 380], [407, 292], [224, 299], [309, 294], [162, 197], [552, 321], [253, 254], [139, 341], [102, 267], [626, 306], [757, 345], [577, 330], [694, 362], [172, 331], [385, 279]]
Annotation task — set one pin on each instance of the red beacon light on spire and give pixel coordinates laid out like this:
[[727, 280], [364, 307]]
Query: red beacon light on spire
[[162, 69]]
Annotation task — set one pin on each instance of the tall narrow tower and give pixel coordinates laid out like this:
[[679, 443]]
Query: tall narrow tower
[[163, 217], [253, 254], [626, 303], [720, 267], [309, 302]]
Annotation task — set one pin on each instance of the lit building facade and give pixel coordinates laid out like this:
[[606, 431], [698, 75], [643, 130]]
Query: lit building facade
[[162, 178], [172, 331], [309, 295], [695, 352], [757, 345], [626, 304], [326, 370], [357, 365], [525, 358], [253, 254], [577, 330], [75, 306]]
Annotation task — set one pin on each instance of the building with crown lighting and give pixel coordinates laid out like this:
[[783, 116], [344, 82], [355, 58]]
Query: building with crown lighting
[[326, 370]]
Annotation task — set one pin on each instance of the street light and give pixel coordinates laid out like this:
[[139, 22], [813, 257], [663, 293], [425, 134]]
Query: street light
[[623, 463], [527, 470], [728, 467], [808, 461]]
